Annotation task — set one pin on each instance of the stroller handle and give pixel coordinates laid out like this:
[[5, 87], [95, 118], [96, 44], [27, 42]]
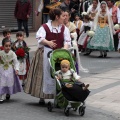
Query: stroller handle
[[48, 55]]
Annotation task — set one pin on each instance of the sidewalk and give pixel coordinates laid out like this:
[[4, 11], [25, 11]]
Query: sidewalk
[[31, 40], [105, 87], [105, 91]]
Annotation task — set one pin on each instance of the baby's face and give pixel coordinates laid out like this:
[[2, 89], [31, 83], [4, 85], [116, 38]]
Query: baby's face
[[65, 68]]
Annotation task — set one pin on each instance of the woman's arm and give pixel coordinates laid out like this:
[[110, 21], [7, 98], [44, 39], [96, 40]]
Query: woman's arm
[[41, 35], [67, 38]]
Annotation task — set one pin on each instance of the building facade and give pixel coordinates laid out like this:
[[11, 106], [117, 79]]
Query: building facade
[[7, 19]]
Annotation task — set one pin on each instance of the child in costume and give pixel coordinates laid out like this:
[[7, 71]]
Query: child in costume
[[9, 67], [78, 23], [24, 62], [72, 87], [87, 24], [7, 34], [69, 74]]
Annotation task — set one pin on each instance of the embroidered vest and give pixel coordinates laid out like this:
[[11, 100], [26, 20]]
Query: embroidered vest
[[59, 37], [102, 21]]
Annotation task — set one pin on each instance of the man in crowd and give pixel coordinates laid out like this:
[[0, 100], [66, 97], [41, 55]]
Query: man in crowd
[[65, 5], [22, 14]]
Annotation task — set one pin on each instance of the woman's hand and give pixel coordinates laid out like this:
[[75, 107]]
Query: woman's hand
[[52, 44]]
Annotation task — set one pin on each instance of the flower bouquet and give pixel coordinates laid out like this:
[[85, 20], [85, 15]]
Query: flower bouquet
[[21, 53], [116, 26], [90, 33], [1, 48]]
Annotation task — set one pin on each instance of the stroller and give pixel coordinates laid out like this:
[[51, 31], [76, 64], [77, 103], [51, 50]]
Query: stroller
[[61, 99]]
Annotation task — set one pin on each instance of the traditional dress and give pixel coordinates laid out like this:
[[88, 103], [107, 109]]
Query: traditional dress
[[71, 27], [25, 63], [39, 82], [9, 82], [115, 12], [84, 37], [103, 38], [78, 25]]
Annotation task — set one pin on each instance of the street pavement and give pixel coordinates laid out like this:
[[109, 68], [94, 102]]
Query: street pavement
[[102, 104]]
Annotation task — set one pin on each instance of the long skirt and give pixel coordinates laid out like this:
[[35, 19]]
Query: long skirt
[[101, 40], [9, 81], [34, 81]]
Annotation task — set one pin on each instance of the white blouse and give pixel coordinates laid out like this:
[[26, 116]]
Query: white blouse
[[41, 33], [85, 24], [8, 57]]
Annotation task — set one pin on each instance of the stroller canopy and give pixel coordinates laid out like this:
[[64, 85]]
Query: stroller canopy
[[58, 55]]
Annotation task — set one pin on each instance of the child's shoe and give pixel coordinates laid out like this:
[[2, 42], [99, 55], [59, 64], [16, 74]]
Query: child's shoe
[[7, 96]]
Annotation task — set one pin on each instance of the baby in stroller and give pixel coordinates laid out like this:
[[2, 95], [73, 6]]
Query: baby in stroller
[[70, 74], [70, 92]]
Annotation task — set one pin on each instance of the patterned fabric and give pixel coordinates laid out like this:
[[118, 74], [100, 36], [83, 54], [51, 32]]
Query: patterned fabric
[[34, 81], [101, 40], [9, 82]]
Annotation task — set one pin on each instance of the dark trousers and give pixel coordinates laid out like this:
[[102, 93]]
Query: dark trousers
[[23, 23], [116, 40]]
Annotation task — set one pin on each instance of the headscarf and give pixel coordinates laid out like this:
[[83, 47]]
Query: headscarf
[[110, 22]]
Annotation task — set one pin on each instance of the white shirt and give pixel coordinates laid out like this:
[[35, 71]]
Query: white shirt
[[118, 13], [41, 33], [68, 74]]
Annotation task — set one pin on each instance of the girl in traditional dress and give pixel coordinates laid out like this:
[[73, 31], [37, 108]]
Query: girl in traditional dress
[[23, 64], [92, 10], [83, 32], [50, 36], [78, 23], [103, 27], [9, 67]]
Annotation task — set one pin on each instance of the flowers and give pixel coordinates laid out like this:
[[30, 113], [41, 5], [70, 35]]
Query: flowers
[[117, 26], [84, 13], [1, 48], [90, 33], [22, 52]]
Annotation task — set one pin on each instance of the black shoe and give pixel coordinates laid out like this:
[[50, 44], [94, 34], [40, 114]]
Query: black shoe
[[42, 102], [101, 56], [87, 53], [7, 96], [105, 55]]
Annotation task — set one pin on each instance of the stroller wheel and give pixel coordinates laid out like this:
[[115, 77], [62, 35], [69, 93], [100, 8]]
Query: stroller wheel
[[66, 111], [50, 106], [81, 111]]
